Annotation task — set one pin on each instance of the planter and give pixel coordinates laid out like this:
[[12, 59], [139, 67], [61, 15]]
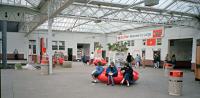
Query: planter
[[67, 64], [18, 66]]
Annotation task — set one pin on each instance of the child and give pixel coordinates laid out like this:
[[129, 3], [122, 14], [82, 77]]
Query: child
[[128, 74], [99, 69], [111, 72]]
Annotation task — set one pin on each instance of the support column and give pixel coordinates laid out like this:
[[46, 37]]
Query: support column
[[49, 37], [49, 45], [194, 46], [4, 43], [38, 48]]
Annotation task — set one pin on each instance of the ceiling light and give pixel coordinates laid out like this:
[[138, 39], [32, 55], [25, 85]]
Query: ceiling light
[[97, 21], [151, 2]]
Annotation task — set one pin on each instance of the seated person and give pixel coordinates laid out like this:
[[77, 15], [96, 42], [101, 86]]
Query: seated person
[[127, 73], [97, 72], [111, 72]]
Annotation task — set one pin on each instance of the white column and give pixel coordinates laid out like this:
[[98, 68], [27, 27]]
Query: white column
[[38, 47], [49, 37], [194, 46]]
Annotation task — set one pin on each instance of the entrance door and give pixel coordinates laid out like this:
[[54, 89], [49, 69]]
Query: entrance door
[[70, 56], [104, 54], [143, 54], [156, 52]]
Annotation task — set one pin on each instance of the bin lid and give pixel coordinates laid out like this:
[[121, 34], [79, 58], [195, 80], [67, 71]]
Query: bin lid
[[176, 73]]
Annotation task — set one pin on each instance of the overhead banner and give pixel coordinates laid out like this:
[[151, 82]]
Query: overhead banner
[[158, 33]]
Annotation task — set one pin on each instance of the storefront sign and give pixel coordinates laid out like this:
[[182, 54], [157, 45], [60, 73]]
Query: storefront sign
[[142, 35]]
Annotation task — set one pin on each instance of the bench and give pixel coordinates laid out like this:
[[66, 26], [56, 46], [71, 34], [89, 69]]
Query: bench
[[12, 56]]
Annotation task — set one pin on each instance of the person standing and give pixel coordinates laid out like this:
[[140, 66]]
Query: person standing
[[16, 54], [137, 60], [156, 60], [143, 61], [84, 60], [91, 58], [173, 60], [129, 59]]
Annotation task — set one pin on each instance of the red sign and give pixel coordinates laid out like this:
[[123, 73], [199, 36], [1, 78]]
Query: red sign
[[151, 42], [121, 37], [157, 33], [43, 50]]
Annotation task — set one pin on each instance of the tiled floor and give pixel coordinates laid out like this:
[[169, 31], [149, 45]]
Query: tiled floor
[[75, 82]]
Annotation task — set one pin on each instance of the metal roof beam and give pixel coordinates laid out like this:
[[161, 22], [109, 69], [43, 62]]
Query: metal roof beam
[[56, 7], [169, 4], [122, 9], [31, 3], [106, 4], [191, 1]]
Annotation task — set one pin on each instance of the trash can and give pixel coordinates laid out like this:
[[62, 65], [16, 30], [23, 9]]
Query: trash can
[[44, 66], [168, 68], [175, 82]]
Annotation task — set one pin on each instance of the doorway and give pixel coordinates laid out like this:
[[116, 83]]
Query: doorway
[[156, 52], [104, 54], [70, 52], [83, 49], [182, 49]]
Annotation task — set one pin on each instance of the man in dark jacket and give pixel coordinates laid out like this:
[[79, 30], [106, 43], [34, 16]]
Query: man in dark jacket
[[129, 59]]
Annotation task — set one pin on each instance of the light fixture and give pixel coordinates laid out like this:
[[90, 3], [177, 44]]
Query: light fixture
[[151, 2], [97, 21]]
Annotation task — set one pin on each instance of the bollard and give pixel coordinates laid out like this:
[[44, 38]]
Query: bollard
[[175, 82], [44, 66], [168, 68]]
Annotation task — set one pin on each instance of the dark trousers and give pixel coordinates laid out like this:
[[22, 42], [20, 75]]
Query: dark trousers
[[16, 57]]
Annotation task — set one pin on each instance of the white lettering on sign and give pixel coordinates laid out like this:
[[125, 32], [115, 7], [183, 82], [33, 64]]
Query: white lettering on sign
[[141, 35], [134, 36]]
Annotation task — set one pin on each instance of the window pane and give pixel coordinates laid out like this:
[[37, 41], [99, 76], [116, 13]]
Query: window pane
[[61, 45], [159, 41], [128, 42], [132, 42], [54, 45]]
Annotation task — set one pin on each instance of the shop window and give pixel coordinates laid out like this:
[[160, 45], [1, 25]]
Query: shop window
[[171, 42], [132, 42], [128, 43], [54, 45], [159, 41], [32, 46], [144, 42], [61, 45]]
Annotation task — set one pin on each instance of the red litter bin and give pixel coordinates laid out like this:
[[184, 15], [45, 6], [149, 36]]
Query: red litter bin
[[175, 82]]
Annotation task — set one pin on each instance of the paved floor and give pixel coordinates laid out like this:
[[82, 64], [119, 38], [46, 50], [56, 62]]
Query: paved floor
[[76, 83]]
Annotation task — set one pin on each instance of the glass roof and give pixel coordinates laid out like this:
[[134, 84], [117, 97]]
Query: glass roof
[[66, 24], [26, 3], [92, 16]]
